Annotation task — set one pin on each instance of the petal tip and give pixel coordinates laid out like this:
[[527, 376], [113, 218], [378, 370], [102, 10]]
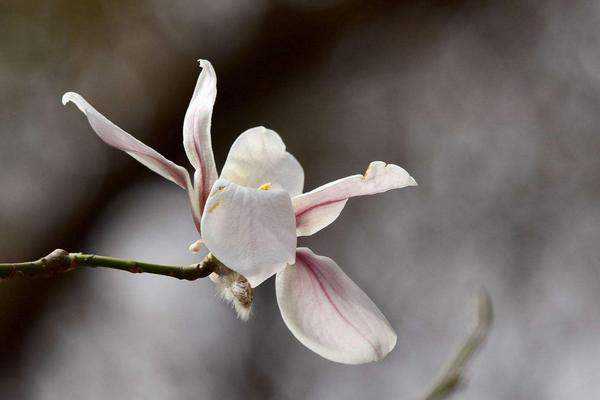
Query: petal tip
[[76, 99], [260, 130], [391, 345], [67, 97], [400, 172], [204, 63]]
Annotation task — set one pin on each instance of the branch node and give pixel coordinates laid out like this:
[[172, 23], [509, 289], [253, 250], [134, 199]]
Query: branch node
[[58, 261]]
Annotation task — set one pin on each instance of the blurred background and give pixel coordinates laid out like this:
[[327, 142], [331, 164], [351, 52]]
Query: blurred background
[[493, 107]]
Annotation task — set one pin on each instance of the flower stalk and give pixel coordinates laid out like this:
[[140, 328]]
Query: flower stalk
[[60, 261]]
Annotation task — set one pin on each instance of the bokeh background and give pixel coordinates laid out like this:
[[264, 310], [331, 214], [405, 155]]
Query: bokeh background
[[494, 107]]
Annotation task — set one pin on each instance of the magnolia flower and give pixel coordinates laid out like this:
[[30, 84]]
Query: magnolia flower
[[249, 218]]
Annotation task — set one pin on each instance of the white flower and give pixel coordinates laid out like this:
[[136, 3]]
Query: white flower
[[249, 218]]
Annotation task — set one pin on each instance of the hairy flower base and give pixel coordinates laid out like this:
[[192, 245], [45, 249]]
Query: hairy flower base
[[235, 289]]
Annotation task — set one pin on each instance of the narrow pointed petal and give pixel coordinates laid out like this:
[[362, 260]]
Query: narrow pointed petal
[[251, 231], [320, 207], [196, 131], [196, 207], [328, 313], [258, 156], [118, 138]]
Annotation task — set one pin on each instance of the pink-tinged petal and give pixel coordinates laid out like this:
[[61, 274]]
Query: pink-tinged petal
[[330, 314], [196, 132], [118, 138], [196, 207], [321, 206], [251, 231], [258, 156]]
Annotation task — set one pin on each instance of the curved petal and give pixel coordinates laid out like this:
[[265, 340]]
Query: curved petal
[[257, 157], [251, 231], [196, 131], [330, 314], [118, 138], [320, 207], [196, 207]]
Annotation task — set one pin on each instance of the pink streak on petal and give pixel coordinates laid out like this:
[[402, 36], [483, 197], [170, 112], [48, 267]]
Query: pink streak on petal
[[116, 137], [323, 282], [329, 313], [197, 135], [320, 207]]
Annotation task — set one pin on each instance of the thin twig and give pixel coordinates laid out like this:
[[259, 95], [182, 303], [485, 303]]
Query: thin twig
[[60, 261], [452, 375]]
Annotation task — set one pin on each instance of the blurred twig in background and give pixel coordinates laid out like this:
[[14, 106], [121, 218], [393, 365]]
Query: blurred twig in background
[[452, 375]]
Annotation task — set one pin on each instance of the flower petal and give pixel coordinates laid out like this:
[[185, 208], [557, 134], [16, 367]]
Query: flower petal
[[118, 138], [330, 314], [196, 131], [257, 157], [251, 231], [320, 207]]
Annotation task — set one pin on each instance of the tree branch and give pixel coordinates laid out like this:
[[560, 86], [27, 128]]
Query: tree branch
[[60, 261]]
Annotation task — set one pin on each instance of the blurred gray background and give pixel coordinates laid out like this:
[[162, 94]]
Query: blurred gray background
[[494, 107]]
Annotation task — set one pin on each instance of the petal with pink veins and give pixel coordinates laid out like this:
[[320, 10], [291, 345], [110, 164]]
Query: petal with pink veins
[[196, 132], [320, 207], [251, 231], [328, 313], [118, 138], [257, 157]]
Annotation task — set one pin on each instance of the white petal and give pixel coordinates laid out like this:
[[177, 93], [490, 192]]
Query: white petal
[[251, 231], [330, 314], [318, 208], [118, 138], [257, 157], [196, 207], [196, 131]]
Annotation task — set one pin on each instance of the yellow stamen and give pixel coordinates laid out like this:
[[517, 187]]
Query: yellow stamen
[[265, 186]]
